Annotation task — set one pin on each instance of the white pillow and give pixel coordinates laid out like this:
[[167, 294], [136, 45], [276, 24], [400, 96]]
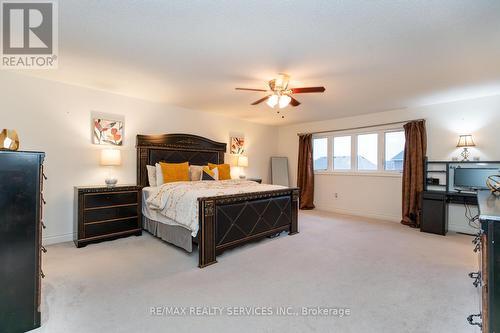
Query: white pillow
[[159, 175], [195, 172], [151, 175]]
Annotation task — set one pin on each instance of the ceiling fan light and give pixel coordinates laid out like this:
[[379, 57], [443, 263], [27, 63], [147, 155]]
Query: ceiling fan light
[[284, 101], [272, 101]]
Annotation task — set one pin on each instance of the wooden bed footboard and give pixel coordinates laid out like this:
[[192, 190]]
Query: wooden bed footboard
[[232, 220]]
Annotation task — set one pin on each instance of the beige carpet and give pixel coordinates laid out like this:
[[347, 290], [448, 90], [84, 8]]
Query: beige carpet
[[391, 277]]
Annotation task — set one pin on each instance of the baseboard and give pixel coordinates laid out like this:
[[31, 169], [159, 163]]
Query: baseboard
[[57, 239], [370, 215]]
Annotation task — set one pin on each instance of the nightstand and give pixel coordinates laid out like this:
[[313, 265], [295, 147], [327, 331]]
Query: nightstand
[[258, 180], [103, 213]]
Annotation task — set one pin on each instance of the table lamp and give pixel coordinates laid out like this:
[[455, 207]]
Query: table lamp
[[465, 141], [111, 158], [242, 163]]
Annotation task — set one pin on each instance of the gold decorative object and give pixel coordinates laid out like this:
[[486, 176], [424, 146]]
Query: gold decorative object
[[493, 183], [9, 140]]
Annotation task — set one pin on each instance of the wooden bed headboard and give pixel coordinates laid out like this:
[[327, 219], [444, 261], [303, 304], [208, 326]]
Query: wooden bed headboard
[[175, 148]]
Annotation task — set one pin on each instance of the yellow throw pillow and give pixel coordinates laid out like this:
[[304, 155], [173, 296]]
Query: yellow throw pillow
[[224, 170], [175, 172]]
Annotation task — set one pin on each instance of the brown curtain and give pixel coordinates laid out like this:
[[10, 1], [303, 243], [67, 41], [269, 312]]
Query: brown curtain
[[305, 174], [413, 172]]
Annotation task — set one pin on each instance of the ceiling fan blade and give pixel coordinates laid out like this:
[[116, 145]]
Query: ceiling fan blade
[[260, 100], [251, 89], [308, 90], [294, 102]]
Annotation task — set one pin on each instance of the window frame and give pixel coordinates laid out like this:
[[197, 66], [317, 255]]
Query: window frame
[[332, 156], [385, 152], [381, 153], [328, 146], [378, 151]]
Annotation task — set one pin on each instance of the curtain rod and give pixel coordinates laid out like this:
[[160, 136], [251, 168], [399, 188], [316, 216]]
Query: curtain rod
[[361, 127]]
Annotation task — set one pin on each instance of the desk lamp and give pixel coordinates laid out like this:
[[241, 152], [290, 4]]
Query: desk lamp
[[465, 141]]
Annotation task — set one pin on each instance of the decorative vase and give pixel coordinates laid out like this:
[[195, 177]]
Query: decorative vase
[[9, 140]]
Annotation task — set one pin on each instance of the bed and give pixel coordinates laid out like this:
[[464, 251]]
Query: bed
[[224, 221]]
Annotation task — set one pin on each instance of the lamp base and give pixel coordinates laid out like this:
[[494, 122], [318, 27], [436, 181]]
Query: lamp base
[[111, 182], [465, 155]]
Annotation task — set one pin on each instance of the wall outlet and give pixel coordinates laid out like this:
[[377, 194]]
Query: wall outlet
[[336, 195]]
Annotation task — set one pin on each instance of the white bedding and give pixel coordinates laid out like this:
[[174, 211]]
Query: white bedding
[[178, 201], [154, 214]]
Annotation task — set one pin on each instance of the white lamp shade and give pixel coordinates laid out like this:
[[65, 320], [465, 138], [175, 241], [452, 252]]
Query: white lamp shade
[[111, 157], [272, 100], [465, 141], [284, 101], [231, 159], [242, 161]]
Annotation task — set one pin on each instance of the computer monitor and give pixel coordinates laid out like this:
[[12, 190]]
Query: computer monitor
[[472, 178]]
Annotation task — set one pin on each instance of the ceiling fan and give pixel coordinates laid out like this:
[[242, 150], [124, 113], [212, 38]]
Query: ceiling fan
[[280, 94]]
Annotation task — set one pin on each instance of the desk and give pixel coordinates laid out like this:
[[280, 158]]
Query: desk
[[435, 209], [439, 192]]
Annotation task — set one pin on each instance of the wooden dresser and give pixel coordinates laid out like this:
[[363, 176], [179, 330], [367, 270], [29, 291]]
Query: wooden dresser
[[21, 203], [487, 279], [103, 213]]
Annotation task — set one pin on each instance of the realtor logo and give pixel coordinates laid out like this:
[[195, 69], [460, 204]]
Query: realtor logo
[[29, 34]]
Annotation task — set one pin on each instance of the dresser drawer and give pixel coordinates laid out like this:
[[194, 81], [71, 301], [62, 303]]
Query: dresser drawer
[[103, 214], [96, 200], [112, 227]]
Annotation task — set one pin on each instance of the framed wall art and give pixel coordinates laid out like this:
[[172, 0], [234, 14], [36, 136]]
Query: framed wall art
[[107, 130], [237, 145]]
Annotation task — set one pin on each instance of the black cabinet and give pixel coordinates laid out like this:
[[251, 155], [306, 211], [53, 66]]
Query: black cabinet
[[434, 213], [21, 201], [488, 277], [103, 213]]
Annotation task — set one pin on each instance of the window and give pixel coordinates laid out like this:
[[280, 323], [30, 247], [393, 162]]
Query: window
[[394, 150], [377, 149], [367, 151], [342, 153], [320, 154]]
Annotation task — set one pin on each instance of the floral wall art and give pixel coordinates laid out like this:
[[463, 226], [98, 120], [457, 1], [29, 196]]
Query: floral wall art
[[237, 145], [107, 132]]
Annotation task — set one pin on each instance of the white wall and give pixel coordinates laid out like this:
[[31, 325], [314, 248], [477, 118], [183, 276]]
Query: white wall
[[380, 197], [55, 118]]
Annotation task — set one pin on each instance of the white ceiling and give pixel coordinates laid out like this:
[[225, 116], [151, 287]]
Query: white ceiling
[[370, 55]]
